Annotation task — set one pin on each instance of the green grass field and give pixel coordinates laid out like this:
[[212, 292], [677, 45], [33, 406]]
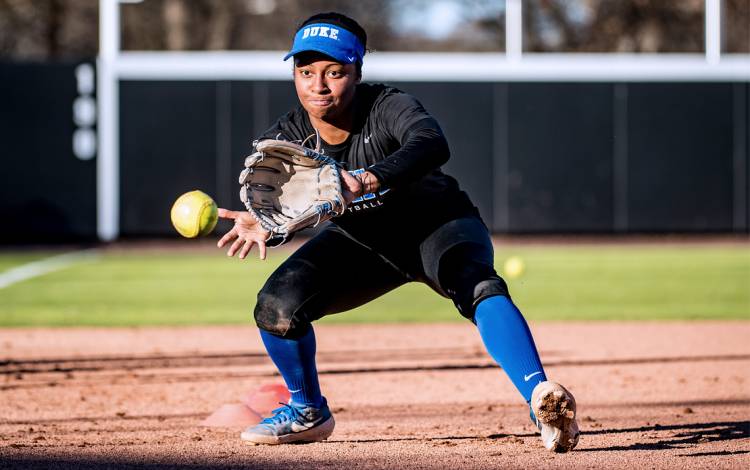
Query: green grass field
[[577, 282]]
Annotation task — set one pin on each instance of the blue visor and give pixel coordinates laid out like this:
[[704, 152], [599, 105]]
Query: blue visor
[[331, 40]]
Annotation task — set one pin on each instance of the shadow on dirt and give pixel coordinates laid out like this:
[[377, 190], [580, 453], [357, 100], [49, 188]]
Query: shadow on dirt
[[681, 436], [92, 463], [14, 367], [104, 419], [720, 452], [434, 439], [252, 461], [175, 361]]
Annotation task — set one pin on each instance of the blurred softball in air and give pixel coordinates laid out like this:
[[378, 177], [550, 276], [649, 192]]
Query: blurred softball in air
[[194, 214], [514, 267]]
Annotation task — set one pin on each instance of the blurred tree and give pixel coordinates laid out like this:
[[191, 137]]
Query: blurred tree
[[68, 29], [447, 25], [48, 29], [235, 24], [613, 26], [737, 26], [176, 24]]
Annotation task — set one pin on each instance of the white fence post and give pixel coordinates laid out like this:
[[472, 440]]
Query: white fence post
[[713, 31], [514, 29], [107, 168]]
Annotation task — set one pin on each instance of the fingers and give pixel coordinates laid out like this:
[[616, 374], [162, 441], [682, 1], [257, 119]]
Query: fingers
[[235, 246], [243, 247], [228, 237], [348, 196], [244, 235], [246, 249], [351, 183], [227, 214], [370, 182]]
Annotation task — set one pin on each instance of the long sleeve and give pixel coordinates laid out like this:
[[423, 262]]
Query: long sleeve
[[423, 145]]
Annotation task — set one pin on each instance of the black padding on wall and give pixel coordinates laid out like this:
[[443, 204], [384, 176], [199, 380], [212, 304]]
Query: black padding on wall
[[560, 149], [680, 157], [560, 157], [244, 111], [167, 147], [464, 111], [46, 193]]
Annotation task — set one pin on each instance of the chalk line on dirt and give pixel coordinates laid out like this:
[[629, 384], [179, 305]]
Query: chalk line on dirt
[[45, 266]]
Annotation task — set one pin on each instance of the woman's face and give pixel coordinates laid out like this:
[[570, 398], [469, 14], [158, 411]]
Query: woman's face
[[325, 88]]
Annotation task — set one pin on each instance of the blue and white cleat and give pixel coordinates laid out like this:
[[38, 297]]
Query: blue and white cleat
[[553, 410], [292, 423]]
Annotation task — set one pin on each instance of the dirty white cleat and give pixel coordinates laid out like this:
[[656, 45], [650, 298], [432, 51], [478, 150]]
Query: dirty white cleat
[[292, 423], [553, 409]]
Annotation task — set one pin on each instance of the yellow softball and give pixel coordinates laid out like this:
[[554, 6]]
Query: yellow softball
[[514, 267], [194, 214]]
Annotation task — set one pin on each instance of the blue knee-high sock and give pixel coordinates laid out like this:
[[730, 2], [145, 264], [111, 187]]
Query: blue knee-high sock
[[295, 359], [508, 340]]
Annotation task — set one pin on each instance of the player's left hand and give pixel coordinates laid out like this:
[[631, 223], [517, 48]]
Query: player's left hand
[[245, 233]]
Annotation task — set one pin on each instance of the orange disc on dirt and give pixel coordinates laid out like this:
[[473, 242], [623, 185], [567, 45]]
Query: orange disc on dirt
[[236, 415], [266, 398]]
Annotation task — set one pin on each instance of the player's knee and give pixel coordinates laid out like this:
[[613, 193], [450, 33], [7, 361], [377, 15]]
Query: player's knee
[[467, 276], [470, 294], [275, 313], [270, 314], [485, 289], [280, 301]]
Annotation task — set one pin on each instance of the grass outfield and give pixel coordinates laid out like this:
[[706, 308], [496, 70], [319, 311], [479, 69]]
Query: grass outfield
[[581, 282]]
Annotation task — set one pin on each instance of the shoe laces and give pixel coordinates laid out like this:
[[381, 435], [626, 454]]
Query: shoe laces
[[283, 414]]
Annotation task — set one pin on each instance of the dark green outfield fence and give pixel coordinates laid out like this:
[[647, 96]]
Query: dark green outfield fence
[[536, 157]]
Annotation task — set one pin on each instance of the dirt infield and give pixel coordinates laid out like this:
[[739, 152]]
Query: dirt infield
[[651, 395]]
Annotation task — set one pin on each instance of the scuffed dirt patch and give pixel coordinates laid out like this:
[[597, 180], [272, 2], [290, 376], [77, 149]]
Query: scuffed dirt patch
[[663, 395]]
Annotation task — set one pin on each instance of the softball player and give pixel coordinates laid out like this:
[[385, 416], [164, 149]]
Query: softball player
[[406, 221]]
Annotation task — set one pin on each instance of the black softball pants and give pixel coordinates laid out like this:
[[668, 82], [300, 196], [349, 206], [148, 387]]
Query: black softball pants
[[333, 272]]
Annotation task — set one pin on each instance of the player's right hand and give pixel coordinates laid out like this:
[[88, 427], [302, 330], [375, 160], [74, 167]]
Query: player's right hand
[[245, 233], [356, 186]]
